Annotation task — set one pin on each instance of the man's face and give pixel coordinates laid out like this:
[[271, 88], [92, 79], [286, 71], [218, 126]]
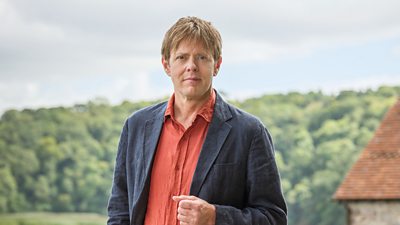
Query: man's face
[[191, 68]]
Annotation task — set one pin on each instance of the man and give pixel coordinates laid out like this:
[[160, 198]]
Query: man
[[195, 159]]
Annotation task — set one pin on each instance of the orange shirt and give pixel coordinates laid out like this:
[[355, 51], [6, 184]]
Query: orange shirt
[[175, 162]]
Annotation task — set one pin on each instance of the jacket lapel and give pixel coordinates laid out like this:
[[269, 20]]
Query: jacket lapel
[[216, 136], [152, 131]]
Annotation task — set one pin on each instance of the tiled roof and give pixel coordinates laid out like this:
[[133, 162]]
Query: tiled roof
[[376, 174]]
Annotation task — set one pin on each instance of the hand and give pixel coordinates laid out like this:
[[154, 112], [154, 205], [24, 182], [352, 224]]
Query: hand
[[194, 211]]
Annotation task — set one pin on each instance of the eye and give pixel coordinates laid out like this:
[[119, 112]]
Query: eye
[[202, 57], [180, 57]]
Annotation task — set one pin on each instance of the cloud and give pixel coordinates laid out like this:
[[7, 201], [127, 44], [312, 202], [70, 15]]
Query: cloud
[[69, 44], [396, 50], [69, 32], [370, 82], [328, 85], [39, 40]]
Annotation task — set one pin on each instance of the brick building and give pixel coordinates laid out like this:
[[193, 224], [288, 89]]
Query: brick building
[[371, 189]]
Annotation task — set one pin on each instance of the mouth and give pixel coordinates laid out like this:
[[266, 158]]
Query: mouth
[[191, 79]]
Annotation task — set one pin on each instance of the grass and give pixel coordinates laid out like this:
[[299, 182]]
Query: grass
[[52, 219]]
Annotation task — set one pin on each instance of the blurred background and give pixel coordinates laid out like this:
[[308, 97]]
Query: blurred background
[[319, 74]]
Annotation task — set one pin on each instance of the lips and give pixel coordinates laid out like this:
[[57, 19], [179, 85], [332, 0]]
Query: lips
[[191, 79]]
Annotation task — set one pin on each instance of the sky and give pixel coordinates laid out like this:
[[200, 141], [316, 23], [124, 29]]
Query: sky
[[65, 52]]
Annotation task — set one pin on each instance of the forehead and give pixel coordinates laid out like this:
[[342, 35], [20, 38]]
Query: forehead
[[186, 46]]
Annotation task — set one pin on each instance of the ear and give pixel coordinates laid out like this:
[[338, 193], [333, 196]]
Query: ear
[[166, 66], [217, 66]]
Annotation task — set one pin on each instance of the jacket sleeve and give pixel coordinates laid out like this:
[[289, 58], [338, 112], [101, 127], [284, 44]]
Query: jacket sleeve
[[265, 203], [118, 206]]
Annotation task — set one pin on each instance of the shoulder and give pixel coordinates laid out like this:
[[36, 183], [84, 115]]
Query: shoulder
[[244, 119], [246, 128], [148, 113], [242, 123], [247, 123], [233, 115], [244, 116], [240, 120]]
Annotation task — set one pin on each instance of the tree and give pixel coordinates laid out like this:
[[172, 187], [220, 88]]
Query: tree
[[61, 159]]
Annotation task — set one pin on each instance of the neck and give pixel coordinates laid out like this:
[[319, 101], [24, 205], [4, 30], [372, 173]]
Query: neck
[[186, 109]]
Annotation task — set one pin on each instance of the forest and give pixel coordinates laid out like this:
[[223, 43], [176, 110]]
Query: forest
[[61, 159]]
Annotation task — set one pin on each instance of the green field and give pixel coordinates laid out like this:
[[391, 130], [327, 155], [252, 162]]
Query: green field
[[52, 219]]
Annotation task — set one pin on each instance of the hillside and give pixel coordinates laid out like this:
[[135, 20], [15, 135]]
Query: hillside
[[61, 159]]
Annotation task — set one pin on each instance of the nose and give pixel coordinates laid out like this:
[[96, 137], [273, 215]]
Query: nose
[[191, 65]]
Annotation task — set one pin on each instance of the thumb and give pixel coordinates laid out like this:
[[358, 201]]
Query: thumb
[[182, 197]]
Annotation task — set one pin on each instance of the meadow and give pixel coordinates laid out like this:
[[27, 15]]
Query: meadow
[[52, 219]]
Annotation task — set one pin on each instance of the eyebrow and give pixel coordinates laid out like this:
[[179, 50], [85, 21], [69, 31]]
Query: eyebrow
[[185, 53], [181, 53]]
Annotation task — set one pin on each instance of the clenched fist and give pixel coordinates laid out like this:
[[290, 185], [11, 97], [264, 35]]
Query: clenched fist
[[194, 211]]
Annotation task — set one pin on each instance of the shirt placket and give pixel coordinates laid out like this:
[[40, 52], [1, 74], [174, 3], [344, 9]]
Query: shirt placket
[[174, 181], [182, 150], [178, 163]]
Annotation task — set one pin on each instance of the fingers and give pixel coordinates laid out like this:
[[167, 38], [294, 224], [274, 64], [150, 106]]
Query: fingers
[[186, 202], [184, 218], [193, 210], [183, 211], [186, 208]]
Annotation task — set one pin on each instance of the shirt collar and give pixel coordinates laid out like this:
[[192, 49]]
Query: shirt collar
[[206, 111]]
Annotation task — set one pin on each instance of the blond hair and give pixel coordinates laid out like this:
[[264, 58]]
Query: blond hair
[[192, 29]]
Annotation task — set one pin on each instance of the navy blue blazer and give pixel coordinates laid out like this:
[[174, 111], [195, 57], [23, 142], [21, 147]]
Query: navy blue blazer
[[236, 169]]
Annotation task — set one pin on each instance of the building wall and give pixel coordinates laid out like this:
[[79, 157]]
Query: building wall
[[374, 213]]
